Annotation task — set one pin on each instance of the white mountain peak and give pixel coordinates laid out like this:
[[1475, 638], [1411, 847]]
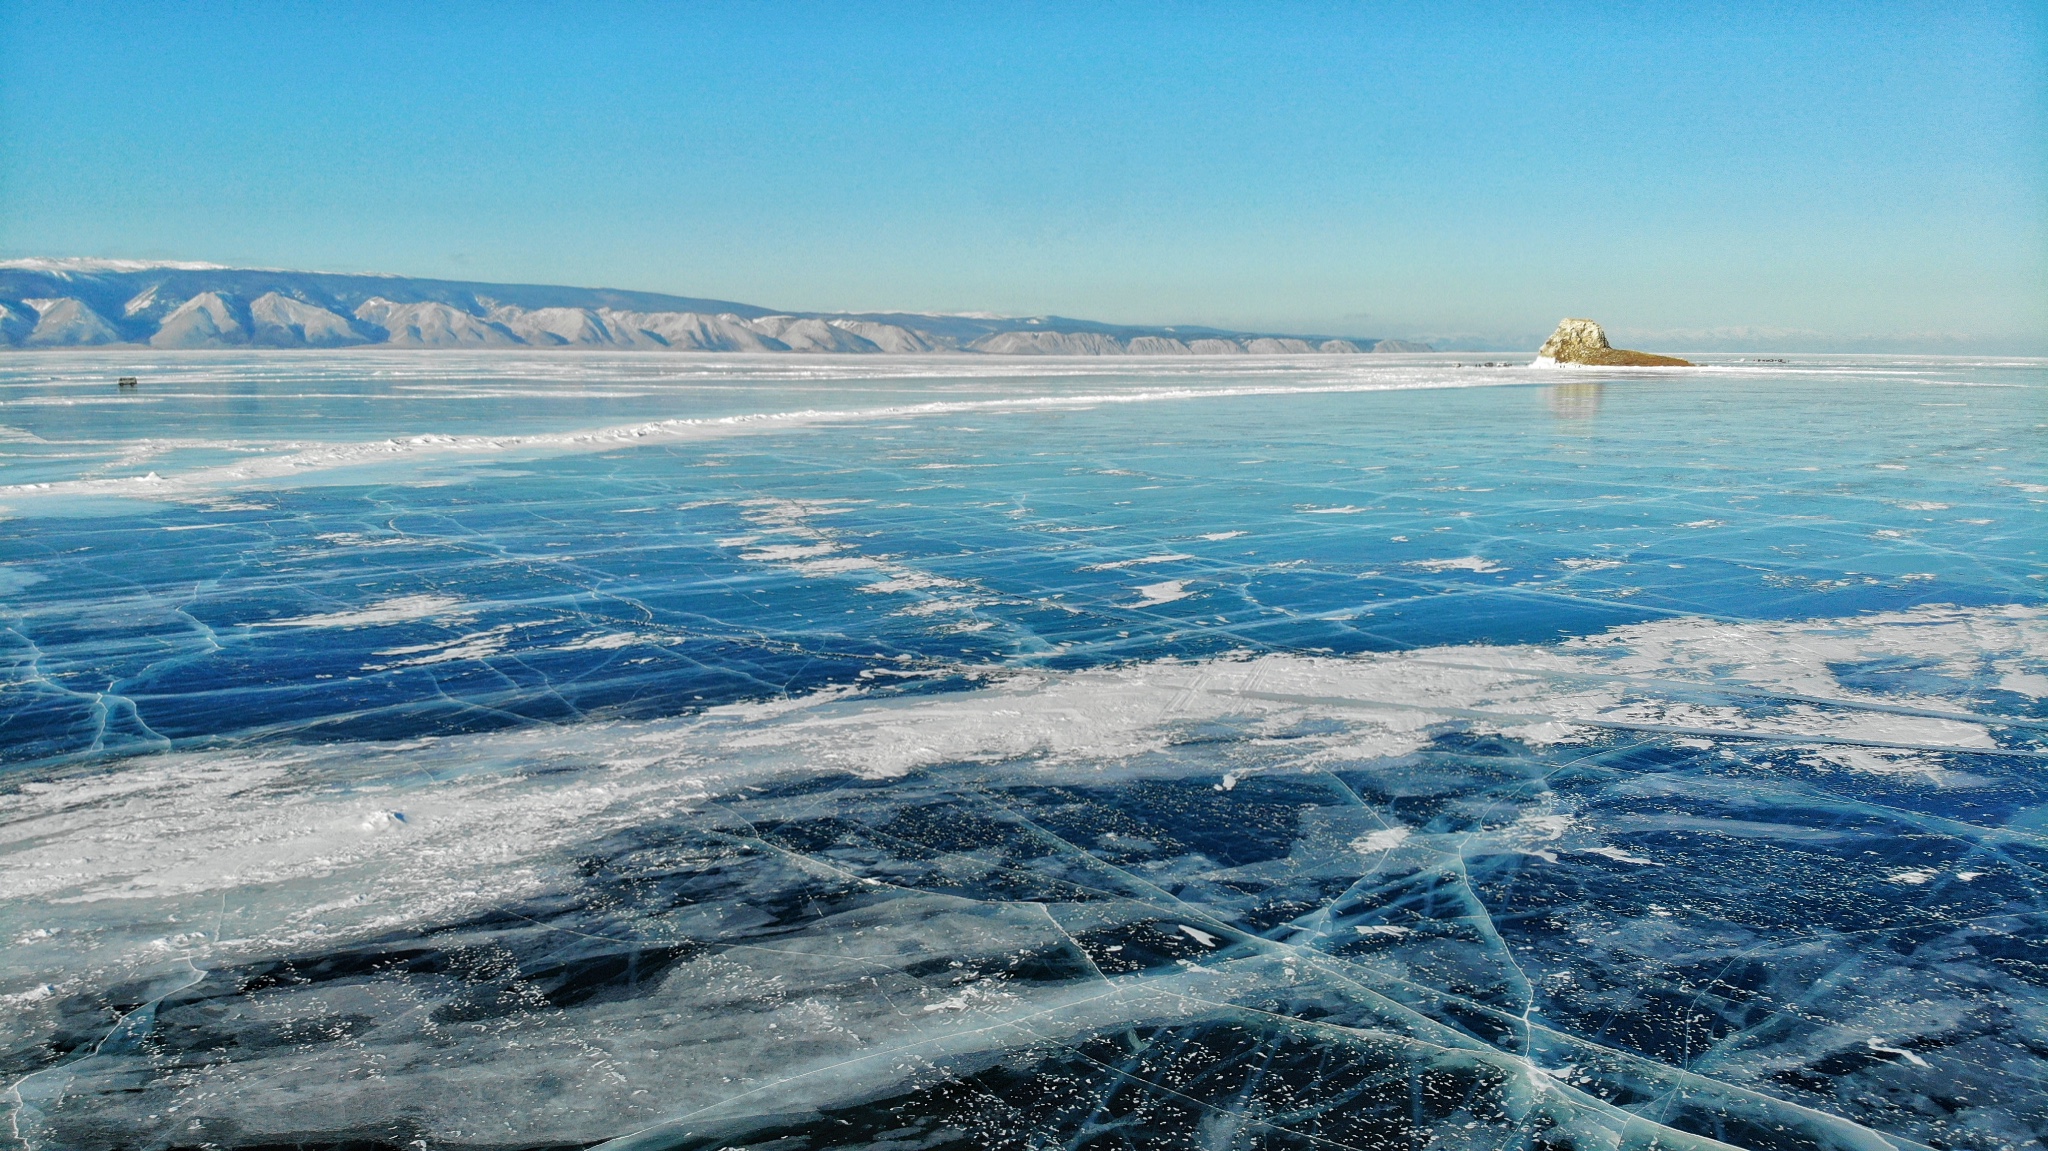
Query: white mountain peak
[[95, 264], [189, 304]]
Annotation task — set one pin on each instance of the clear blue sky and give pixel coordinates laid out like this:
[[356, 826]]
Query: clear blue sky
[[1843, 175]]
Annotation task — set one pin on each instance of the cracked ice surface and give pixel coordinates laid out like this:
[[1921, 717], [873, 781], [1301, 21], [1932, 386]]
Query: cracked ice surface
[[1584, 765]]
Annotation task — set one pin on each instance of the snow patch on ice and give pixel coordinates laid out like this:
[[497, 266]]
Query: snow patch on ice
[[1619, 856], [1461, 564], [1166, 591], [398, 610], [1385, 839], [1168, 557]]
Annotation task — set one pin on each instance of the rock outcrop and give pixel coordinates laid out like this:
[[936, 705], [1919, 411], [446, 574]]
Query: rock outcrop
[[1585, 342]]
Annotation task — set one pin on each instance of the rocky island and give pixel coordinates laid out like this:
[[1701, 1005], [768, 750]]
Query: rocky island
[[1585, 342]]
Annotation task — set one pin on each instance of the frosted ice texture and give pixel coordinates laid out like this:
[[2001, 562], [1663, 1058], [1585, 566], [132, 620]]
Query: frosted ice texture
[[489, 752]]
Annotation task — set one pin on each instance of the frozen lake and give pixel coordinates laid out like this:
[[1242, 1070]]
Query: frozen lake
[[534, 750]]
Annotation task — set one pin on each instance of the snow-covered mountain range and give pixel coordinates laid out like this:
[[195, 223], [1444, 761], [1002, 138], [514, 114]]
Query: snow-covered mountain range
[[53, 303]]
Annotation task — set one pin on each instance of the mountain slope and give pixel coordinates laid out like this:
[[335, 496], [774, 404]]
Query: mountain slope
[[66, 322], [48, 303]]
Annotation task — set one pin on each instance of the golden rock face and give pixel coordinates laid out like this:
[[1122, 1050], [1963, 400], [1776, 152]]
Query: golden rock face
[[1585, 342]]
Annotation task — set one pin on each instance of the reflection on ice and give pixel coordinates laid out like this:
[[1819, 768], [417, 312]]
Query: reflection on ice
[[1574, 401]]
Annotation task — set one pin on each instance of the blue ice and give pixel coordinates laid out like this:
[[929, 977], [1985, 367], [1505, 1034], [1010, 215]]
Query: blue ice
[[523, 750]]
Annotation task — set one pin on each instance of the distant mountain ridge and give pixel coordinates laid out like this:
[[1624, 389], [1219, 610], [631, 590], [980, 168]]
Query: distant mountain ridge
[[55, 303]]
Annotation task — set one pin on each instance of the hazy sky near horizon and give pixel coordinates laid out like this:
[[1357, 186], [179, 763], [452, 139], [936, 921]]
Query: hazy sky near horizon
[[1834, 174]]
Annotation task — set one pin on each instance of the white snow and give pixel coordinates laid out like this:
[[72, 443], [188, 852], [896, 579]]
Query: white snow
[[397, 610], [1460, 563], [1385, 839], [63, 264], [1165, 591]]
